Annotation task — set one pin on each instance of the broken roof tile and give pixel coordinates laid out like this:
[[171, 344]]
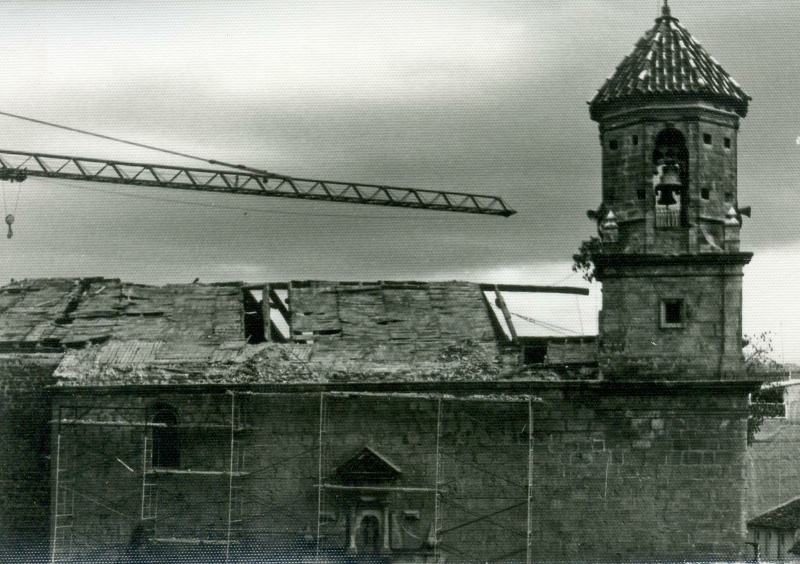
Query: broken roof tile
[[195, 333], [75, 311]]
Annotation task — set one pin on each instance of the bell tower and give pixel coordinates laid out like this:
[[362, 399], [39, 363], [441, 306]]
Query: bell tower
[[669, 220]]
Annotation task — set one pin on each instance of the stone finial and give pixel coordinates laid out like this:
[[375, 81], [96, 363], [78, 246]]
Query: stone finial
[[609, 228], [732, 225], [731, 218], [666, 14]]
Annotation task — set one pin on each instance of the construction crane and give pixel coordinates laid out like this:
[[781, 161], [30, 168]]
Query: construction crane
[[16, 166]]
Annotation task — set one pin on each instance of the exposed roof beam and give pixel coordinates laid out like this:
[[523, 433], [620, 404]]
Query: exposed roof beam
[[535, 289]]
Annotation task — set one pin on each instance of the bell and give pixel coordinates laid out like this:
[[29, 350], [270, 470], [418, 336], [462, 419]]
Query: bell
[[665, 196], [670, 175], [669, 182]]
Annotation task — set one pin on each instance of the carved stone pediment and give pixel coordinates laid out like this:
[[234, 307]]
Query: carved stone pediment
[[366, 467]]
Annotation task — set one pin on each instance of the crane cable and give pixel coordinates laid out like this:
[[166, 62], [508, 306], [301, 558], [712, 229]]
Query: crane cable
[[551, 326], [133, 143], [9, 217]]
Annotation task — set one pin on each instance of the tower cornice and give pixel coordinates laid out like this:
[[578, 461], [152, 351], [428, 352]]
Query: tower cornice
[[603, 260]]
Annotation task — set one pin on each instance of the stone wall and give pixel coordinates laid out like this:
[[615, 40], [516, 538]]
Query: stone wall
[[634, 341], [24, 433], [620, 472]]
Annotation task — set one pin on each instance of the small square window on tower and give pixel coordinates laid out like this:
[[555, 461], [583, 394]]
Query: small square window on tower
[[705, 193], [641, 194], [727, 142], [613, 144], [707, 138], [635, 140], [672, 313]]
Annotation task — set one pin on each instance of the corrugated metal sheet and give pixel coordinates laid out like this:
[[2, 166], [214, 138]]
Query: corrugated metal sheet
[[128, 353], [175, 351]]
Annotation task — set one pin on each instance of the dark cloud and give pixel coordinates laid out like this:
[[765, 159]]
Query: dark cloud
[[509, 117]]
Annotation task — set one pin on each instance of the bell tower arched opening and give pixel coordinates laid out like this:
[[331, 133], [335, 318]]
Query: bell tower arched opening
[[671, 178]]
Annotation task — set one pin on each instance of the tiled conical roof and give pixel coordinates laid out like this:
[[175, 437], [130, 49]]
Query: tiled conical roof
[[668, 63]]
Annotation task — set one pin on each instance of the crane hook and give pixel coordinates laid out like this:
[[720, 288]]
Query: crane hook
[[9, 222]]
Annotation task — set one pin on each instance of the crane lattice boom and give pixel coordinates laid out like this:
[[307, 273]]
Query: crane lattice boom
[[16, 166]]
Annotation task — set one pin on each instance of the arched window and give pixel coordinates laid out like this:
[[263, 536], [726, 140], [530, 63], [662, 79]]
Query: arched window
[[671, 180], [166, 440], [671, 144]]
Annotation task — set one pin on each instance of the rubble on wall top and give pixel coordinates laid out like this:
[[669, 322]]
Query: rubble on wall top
[[114, 333], [141, 363]]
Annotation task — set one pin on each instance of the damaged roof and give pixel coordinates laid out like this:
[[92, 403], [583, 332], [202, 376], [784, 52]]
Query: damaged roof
[[115, 333], [413, 318], [65, 312]]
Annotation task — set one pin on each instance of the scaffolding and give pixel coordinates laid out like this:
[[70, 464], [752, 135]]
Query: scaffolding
[[437, 513], [453, 488], [63, 503]]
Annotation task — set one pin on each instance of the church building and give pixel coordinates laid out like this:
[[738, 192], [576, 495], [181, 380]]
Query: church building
[[407, 422]]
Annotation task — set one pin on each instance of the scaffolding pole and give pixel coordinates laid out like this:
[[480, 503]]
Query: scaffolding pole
[[230, 478], [488, 397], [320, 489], [146, 494], [64, 499], [529, 537], [55, 503], [437, 517], [150, 489]]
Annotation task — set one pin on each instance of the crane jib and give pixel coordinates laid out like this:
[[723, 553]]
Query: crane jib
[[15, 166]]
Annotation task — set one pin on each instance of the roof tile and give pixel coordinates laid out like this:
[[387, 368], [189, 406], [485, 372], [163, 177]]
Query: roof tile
[[787, 516], [668, 61]]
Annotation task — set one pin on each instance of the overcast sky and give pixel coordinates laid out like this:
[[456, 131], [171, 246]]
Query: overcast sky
[[466, 95]]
